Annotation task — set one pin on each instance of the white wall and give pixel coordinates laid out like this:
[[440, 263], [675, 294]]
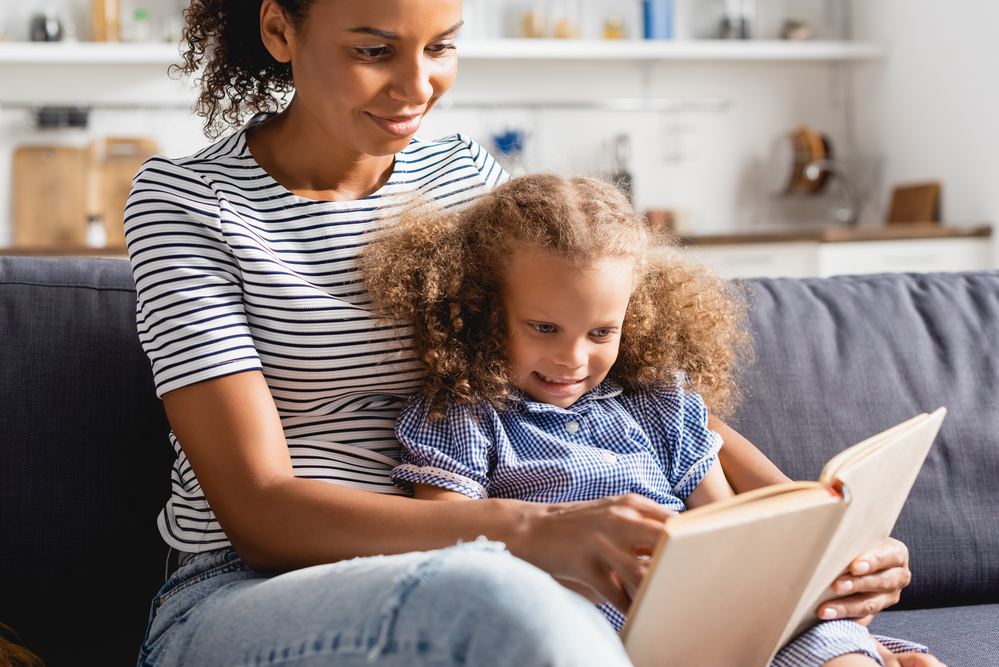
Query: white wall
[[932, 108]]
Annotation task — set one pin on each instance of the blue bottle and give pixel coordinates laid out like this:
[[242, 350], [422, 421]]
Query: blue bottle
[[658, 19]]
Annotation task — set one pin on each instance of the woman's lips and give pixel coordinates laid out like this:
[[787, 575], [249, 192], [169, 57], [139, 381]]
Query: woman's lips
[[399, 126], [560, 386]]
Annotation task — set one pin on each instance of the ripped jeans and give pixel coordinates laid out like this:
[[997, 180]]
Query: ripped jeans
[[472, 604]]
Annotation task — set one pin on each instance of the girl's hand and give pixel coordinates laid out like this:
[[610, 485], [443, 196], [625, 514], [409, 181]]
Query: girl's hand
[[875, 582], [593, 547]]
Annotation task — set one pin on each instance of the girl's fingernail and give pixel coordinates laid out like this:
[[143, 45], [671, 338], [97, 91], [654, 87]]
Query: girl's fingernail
[[861, 567], [828, 614]]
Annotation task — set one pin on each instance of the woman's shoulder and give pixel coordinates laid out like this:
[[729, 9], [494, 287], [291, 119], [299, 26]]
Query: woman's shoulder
[[454, 160], [228, 158]]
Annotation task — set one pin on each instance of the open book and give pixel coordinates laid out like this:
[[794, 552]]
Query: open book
[[732, 583]]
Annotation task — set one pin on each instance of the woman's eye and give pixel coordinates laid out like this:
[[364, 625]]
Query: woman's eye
[[544, 328], [372, 53], [440, 49]]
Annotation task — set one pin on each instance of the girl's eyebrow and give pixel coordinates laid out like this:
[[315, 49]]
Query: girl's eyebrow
[[385, 34]]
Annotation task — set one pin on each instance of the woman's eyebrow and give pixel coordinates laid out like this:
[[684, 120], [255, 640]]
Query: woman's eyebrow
[[385, 34]]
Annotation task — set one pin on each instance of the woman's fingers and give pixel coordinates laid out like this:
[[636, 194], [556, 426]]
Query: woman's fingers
[[596, 544], [860, 608], [892, 554], [875, 581]]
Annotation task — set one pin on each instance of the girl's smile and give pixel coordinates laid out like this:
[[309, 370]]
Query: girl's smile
[[564, 322]]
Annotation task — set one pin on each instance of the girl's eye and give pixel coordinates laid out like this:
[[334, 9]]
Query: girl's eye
[[601, 333], [544, 328]]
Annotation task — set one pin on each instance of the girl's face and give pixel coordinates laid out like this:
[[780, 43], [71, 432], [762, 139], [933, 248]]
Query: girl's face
[[367, 71], [564, 322]]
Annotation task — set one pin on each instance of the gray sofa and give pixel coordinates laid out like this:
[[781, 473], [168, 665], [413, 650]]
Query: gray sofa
[[84, 456]]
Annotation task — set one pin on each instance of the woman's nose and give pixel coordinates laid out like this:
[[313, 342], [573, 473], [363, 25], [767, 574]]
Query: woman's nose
[[411, 82]]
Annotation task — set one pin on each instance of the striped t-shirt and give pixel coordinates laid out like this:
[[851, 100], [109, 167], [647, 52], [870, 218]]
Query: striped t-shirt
[[235, 273]]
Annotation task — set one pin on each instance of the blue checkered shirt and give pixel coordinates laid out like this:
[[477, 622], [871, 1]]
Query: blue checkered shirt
[[654, 442]]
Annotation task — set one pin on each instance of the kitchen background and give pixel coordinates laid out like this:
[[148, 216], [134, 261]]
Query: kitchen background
[[905, 91]]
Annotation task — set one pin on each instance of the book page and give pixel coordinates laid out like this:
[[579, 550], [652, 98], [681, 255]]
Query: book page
[[876, 484], [711, 599]]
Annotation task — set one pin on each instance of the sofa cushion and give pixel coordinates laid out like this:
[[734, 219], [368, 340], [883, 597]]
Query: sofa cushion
[[84, 461], [958, 636], [841, 359]]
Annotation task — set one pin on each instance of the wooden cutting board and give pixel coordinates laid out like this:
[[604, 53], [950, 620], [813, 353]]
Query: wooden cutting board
[[49, 201], [113, 164]]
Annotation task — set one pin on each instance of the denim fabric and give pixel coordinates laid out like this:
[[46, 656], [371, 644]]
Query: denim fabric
[[472, 604]]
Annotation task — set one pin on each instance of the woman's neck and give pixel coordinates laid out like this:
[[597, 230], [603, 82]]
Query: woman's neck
[[296, 153]]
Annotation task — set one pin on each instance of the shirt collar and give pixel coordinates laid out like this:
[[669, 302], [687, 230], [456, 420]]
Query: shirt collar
[[606, 389]]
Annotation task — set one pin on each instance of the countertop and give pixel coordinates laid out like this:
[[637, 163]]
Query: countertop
[[843, 234]]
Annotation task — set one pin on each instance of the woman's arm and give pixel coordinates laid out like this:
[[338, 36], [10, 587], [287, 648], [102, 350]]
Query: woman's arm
[[876, 577], [231, 433]]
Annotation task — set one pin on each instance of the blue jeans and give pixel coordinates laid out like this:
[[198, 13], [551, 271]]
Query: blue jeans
[[471, 604]]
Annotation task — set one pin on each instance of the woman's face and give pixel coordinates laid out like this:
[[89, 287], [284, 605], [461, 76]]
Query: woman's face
[[366, 71]]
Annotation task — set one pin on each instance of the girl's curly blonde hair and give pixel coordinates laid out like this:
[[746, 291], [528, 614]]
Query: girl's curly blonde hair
[[439, 272]]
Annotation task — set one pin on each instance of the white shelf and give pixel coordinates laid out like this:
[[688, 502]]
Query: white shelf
[[730, 50], [90, 53]]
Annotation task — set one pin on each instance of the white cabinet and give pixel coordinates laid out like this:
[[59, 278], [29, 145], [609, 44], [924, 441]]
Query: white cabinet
[[805, 259]]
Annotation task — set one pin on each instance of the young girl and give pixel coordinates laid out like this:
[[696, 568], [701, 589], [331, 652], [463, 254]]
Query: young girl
[[571, 354]]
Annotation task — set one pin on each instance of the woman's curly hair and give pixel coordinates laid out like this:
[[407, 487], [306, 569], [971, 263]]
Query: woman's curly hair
[[439, 273], [237, 74]]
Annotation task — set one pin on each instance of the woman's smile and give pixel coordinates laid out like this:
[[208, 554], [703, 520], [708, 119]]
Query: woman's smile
[[398, 126]]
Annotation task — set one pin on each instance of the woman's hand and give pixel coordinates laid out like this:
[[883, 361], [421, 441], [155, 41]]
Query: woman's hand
[[875, 582], [593, 547]]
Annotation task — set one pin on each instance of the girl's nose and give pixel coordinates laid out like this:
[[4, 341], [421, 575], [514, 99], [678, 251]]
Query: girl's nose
[[573, 355]]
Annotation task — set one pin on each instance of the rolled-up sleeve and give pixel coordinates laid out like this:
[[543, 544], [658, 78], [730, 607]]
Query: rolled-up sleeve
[[455, 453]]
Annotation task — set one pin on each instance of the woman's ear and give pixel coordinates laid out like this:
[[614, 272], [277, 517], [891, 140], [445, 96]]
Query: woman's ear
[[275, 31]]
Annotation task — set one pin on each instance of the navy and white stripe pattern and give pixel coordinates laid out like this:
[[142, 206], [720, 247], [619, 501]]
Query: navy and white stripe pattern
[[235, 273], [655, 443]]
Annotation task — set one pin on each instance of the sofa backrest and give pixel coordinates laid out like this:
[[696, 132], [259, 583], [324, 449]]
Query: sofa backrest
[[84, 462], [85, 459], [841, 359]]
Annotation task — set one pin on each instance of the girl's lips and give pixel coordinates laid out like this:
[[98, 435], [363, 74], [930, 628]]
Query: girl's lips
[[558, 386], [399, 126]]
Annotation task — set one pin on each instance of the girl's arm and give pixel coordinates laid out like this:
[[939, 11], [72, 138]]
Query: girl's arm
[[876, 578], [713, 487], [231, 433], [746, 468]]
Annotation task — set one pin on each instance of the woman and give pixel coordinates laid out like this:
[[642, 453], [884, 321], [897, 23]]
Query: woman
[[277, 380]]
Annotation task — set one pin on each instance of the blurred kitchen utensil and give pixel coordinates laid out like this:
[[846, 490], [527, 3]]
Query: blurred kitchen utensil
[[614, 28], [105, 21], [46, 27], [49, 196], [658, 15], [113, 162], [915, 204], [621, 174]]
